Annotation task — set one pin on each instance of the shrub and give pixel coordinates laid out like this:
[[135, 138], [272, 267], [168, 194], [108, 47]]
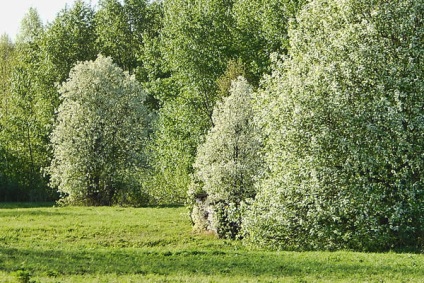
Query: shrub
[[226, 163], [99, 135], [343, 131]]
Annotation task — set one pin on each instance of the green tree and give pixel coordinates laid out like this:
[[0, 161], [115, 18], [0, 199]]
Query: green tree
[[260, 29], [195, 46], [45, 56], [141, 17], [29, 114], [69, 39], [7, 59], [201, 46], [342, 126], [31, 27], [99, 134], [115, 34], [172, 148], [154, 70], [227, 164]]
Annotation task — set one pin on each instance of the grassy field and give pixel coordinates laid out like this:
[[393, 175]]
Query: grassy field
[[112, 244]]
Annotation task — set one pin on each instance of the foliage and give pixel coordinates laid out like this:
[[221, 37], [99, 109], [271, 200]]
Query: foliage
[[114, 244], [196, 43], [31, 27], [44, 57], [27, 117], [195, 48], [343, 131], [115, 35], [99, 133], [70, 38], [152, 69], [7, 57], [199, 44], [227, 162], [260, 29], [176, 136], [235, 69]]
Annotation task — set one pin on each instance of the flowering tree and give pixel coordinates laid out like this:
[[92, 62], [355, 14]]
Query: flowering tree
[[227, 163], [99, 134], [344, 131]]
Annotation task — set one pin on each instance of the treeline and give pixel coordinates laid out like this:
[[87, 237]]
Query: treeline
[[288, 124], [38, 62], [183, 53]]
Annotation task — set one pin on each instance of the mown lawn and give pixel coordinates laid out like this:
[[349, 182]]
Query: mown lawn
[[113, 244]]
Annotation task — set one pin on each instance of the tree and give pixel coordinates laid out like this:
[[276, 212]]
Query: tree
[[31, 27], [69, 39], [172, 150], [343, 131], [45, 56], [195, 46], [260, 29], [227, 164], [7, 59], [115, 34], [141, 17], [152, 69], [28, 116], [99, 134], [200, 42]]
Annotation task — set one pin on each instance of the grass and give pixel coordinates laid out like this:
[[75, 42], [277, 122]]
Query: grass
[[112, 244]]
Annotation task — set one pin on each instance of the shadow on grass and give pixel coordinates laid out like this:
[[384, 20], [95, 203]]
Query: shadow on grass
[[166, 206], [30, 212], [14, 205], [189, 262]]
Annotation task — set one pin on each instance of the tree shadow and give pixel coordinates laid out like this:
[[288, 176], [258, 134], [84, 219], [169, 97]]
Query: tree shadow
[[14, 205]]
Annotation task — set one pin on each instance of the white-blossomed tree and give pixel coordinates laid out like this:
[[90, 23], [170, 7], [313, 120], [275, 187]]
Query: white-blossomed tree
[[343, 131], [99, 135], [226, 164]]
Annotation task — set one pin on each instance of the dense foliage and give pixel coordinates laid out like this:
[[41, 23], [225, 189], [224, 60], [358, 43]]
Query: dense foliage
[[95, 149], [7, 175], [27, 109], [227, 164], [319, 147], [344, 131], [199, 42]]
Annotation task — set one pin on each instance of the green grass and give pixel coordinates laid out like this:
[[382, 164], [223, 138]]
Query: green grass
[[103, 244]]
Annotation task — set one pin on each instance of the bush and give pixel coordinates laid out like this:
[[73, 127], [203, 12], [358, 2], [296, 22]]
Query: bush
[[343, 131], [99, 135], [226, 163]]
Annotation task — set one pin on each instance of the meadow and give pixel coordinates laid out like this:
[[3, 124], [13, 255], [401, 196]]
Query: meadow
[[42, 243]]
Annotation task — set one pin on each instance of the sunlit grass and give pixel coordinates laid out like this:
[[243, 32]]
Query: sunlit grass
[[113, 244]]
